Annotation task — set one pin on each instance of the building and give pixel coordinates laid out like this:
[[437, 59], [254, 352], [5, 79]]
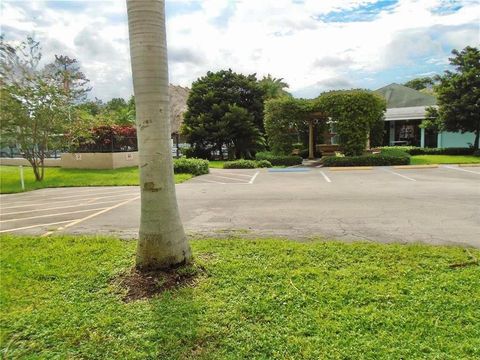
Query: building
[[406, 108]]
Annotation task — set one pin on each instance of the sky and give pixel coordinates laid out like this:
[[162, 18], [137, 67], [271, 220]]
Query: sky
[[314, 45]]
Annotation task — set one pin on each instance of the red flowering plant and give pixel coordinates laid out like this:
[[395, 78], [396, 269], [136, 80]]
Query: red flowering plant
[[108, 138]]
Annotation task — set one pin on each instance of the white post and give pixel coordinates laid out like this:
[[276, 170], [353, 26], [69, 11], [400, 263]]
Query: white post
[[392, 133], [22, 182], [422, 137]]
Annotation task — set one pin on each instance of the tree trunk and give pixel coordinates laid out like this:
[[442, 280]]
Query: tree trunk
[[162, 241]]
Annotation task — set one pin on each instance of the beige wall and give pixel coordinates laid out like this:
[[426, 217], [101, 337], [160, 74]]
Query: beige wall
[[99, 160], [24, 162], [83, 161]]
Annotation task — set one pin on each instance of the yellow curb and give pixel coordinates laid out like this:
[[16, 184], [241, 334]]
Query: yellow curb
[[415, 166], [469, 165], [348, 168]]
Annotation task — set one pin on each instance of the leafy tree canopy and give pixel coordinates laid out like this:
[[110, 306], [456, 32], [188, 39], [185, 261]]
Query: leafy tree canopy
[[355, 114], [458, 95], [223, 108], [273, 88], [420, 83], [37, 103]]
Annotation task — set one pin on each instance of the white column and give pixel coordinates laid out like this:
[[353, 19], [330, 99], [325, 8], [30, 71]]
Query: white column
[[392, 132], [422, 137]]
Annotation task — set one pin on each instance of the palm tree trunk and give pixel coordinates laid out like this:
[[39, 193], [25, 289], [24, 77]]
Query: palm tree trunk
[[162, 241]]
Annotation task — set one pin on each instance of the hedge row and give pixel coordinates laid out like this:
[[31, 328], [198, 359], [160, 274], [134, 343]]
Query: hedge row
[[190, 166], [246, 164], [412, 150], [382, 159], [279, 160]]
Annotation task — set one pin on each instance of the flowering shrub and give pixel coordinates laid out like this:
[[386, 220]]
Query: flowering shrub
[[109, 138]]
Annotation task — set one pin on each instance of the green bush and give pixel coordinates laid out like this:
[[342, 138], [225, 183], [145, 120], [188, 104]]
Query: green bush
[[264, 164], [246, 164], [190, 166], [279, 160], [240, 164], [383, 159], [412, 150]]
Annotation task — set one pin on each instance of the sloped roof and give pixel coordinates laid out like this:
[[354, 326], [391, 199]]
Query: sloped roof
[[399, 96], [178, 105]]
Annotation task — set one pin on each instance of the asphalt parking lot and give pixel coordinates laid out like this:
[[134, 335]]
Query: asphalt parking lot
[[434, 205]]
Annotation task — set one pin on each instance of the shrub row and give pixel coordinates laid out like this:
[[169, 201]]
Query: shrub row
[[279, 160], [412, 150], [190, 166], [382, 159], [246, 164]]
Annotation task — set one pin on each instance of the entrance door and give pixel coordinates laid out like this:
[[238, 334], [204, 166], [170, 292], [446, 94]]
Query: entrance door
[[431, 138]]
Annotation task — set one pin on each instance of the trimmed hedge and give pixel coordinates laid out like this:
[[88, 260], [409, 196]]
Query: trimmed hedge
[[412, 150], [279, 160], [190, 166], [383, 159], [246, 164], [264, 164]]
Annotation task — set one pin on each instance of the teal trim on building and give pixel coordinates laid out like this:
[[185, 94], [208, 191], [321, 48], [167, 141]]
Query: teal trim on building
[[455, 139]]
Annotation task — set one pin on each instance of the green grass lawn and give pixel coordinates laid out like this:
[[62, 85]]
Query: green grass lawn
[[216, 164], [444, 159], [57, 177], [255, 299]]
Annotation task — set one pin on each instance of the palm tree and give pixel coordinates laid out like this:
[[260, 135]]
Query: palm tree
[[273, 87], [162, 241]]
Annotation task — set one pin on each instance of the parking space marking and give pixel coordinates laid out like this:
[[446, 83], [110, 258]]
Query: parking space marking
[[254, 177], [210, 181], [228, 173], [229, 178], [460, 169], [49, 215], [60, 207], [327, 179], [78, 221], [59, 202], [34, 226], [403, 176], [88, 195]]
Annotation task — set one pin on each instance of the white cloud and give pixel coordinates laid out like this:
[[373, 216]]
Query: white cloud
[[282, 37]]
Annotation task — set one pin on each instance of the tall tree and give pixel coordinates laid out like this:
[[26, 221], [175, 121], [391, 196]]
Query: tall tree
[[273, 87], [35, 108], [458, 95], [66, 72], [210, 104], [420, 83], [162, 241]]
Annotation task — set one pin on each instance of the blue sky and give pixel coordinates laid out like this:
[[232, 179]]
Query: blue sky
[[313, 45]]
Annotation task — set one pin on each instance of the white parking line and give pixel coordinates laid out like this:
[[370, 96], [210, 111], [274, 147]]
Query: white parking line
[[88, 203], [460, 169], [49, 215], [88, 195], [33, 226], [210, 181], [59, 202], [327, 179], [254, 177], [228, 173], [229, 178], [75, 222], [403, 176]]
